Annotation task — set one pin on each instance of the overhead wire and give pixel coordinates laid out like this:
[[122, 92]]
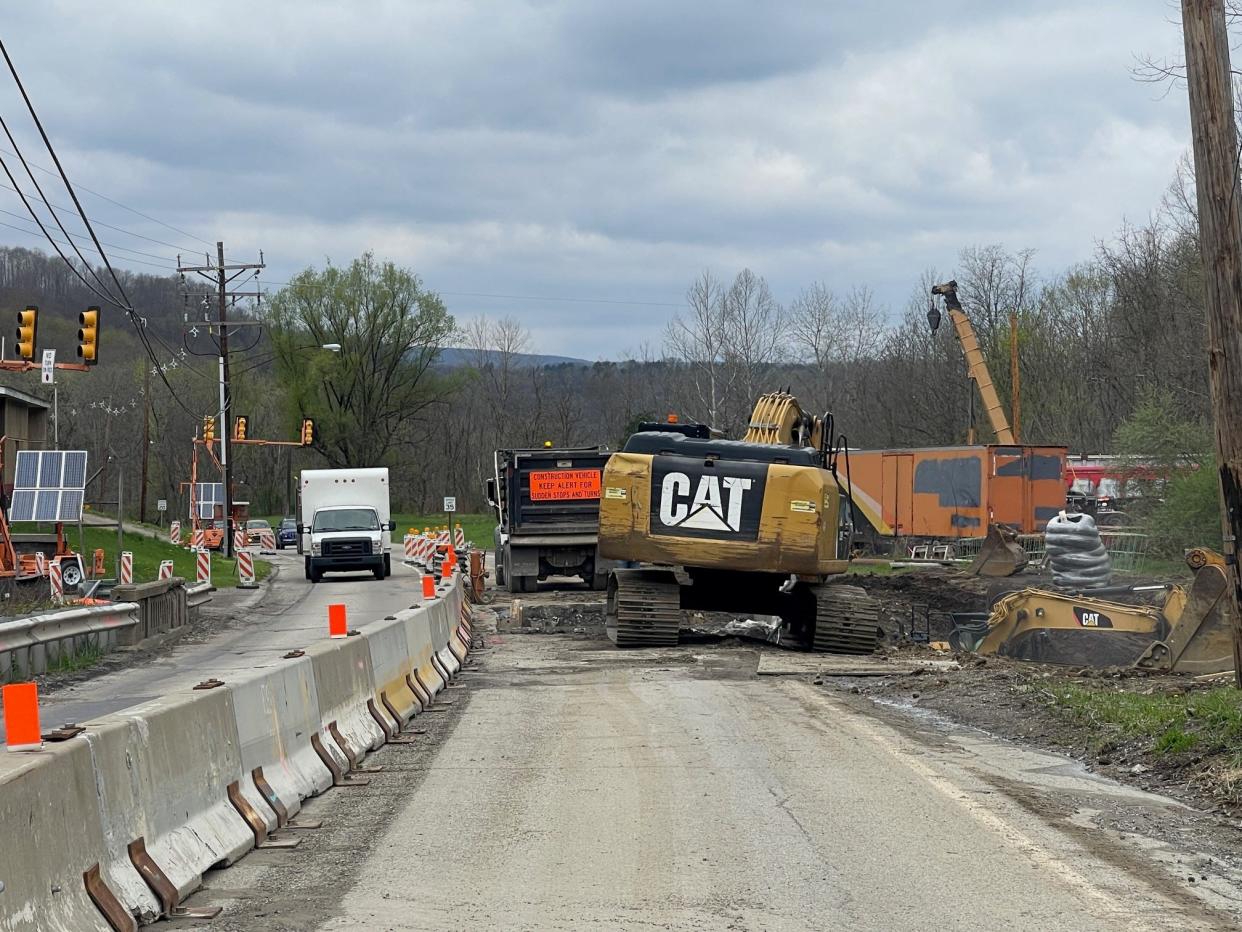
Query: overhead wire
[[4, 125], [158, 265], [128, 307]]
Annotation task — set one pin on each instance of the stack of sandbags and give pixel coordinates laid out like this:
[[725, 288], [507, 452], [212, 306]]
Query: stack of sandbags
[[1075, 553]]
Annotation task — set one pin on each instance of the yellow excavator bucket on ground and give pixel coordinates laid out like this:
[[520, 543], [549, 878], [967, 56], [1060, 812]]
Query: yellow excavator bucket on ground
[[1200, 637], [1000, 554], [1190, 632]]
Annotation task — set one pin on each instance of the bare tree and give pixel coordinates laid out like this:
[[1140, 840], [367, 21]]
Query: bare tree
[[700, 338]]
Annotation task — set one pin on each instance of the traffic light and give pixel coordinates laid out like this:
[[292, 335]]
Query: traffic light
[[88, 336], [241, 427], [309, 434], [209, 427], [27, 332]]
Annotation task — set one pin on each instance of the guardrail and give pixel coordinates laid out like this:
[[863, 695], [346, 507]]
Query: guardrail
[[162, 607], [42, 642]]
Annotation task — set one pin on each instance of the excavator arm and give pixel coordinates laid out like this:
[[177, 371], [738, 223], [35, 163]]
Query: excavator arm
[[974, 360]]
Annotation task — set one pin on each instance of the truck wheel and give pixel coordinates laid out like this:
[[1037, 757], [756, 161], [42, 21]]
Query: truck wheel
[[315, 575], [530, 583], [500, 570], [308, 571], [387, 564]]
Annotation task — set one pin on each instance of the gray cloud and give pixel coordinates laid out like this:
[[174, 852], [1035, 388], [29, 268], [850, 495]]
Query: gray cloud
[[611, 150]]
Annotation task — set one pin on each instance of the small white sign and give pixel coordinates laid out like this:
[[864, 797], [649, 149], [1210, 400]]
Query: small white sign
[[450, 503], [161, 505], [49, 366]]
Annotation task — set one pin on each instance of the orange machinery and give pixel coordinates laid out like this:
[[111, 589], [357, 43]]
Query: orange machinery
[[948, 493]]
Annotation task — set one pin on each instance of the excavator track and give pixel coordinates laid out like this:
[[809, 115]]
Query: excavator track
[[643, 608], [846, 620]]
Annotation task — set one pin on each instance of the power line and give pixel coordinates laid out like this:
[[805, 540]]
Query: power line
[[132, 210], [136, 252], [139, 325], [55, 216], [149, 239], [54, 240]]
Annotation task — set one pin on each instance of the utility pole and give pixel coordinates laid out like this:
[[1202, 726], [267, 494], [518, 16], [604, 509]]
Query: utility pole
[[218, 274], [146, 440], [1015, 379], [1220, 240]]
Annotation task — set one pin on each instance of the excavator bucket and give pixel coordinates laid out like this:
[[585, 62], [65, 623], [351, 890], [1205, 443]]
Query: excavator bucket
[[1000, 554], [1200, 639]]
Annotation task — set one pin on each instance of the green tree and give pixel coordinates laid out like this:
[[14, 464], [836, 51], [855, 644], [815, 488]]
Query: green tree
[[1182, 510], [369, 398]]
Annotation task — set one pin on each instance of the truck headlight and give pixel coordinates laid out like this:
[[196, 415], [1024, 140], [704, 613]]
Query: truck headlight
[[315, 549]]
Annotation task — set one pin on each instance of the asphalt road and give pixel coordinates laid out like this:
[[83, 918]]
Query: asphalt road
[[573, 786], [254, 628]]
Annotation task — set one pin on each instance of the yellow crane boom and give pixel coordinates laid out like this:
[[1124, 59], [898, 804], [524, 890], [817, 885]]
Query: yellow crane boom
[[975, 363]]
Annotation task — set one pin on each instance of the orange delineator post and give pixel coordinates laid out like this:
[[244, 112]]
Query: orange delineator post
[[21, 717], [338, 627], [429, 586]]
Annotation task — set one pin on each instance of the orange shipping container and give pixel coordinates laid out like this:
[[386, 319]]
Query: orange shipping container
[[954, 492]]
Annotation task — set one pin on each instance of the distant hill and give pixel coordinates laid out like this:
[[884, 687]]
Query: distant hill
[[456, 356]]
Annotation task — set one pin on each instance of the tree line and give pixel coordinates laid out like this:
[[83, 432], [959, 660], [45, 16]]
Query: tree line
[[1093, 340]]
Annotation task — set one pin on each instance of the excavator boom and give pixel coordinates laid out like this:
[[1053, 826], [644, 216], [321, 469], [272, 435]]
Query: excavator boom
[[974, 360]]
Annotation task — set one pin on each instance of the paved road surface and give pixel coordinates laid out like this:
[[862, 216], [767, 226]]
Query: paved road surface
[[288, 617], [667, 790]]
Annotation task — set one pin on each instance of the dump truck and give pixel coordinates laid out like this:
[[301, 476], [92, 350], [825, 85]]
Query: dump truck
[[546, 502]]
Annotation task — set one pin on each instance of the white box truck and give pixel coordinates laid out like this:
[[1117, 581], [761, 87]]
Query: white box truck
[[344, 521]]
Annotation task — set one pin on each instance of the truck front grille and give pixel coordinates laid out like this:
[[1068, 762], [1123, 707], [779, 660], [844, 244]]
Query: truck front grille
[[347, 547]]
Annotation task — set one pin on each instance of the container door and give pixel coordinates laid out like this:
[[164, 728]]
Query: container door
[[1009, 487], [899, 492]]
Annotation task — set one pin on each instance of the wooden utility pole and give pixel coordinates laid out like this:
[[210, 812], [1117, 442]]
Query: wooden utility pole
[[1220, 240], [146, 440], [218, 274], [1015, 380]]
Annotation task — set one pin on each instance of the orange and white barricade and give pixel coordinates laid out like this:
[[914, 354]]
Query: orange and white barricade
[[239, 539], [267, 540], [56, 582], [459, 538], [410, 545], [127, 568], [166, 569], [202, 558], [245, 570], [196, 539], [174, 533], [41, 563]]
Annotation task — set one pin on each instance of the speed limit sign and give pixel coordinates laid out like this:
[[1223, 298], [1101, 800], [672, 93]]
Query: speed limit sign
[[450, 503]]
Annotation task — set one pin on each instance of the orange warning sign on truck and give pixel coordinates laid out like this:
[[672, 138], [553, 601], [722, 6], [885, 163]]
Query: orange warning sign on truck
[[564, 484]]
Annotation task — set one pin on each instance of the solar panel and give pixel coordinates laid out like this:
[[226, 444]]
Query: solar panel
[[207, 495], [49, 485]]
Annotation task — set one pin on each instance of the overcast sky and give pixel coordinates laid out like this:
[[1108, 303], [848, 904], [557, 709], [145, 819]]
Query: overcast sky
[[606, 150]]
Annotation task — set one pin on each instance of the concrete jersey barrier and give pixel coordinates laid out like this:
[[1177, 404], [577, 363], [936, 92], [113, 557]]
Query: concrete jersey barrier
[[161, 772]]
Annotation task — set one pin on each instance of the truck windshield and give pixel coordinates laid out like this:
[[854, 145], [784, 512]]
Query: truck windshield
[[346, 519]]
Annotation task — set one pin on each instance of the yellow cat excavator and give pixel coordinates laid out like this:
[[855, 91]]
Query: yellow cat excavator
[[739, 526], [1188, 632]]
